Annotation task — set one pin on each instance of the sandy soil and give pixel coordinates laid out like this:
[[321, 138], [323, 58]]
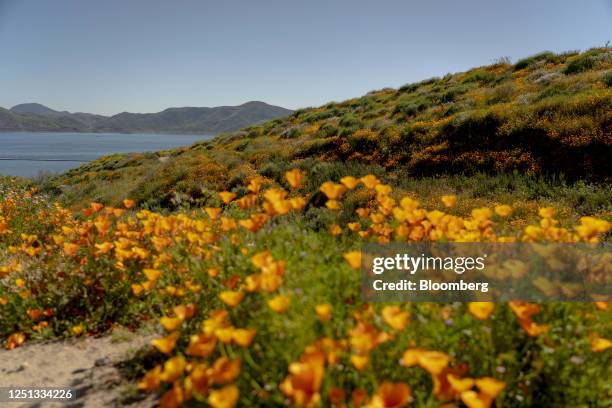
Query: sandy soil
[[85, 365]]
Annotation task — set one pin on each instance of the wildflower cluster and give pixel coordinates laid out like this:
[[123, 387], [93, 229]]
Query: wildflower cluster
[[254, 306]]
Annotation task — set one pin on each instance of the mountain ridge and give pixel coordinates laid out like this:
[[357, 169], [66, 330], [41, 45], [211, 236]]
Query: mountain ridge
[[188, 119]]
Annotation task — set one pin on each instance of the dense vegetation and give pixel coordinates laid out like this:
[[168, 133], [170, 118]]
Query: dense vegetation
[[260, 301], [545, 115], [243, 252]]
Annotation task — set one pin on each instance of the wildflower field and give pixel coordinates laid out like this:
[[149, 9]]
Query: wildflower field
[[258, 299], [243, 252]]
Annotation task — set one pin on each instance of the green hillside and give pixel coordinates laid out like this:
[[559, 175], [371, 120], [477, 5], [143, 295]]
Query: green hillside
[[19, 121], [544, 117]]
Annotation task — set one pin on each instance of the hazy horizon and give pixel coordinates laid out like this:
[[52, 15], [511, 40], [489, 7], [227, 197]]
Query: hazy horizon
[[146, 56]]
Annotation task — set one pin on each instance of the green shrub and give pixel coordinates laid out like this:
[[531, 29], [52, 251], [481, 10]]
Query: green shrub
[[292, 133], [406, 108], [317, 116], [328, 130], [553, 90], [607, 79], [411, 105], [583, 63], [579, 65], [408, 88], [479, 75], [254, 132], [502, 93], [530, 61], [348, 131], [349, 121]]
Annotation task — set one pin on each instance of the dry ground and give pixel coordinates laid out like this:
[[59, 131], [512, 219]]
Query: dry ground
[[88, 366]]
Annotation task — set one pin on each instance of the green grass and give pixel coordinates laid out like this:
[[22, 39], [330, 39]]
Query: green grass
[[545, 116], [555, 370]]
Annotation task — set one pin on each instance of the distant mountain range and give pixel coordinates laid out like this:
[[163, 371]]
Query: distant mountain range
[[37, 117]]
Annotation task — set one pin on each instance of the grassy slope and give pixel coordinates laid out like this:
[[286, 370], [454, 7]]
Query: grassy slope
[[547, 114]]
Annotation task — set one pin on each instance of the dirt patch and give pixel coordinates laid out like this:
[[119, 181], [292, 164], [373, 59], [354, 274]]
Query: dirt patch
[[88, 366]]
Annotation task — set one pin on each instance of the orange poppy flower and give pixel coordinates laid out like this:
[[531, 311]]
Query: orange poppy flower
[[332, 190], [481, 214], [213, 212], [185, 311], [449, 200], [353, 258], [71, 249], [481, 310], [503, 210], [255, 185], [546, 212], [324, 311], [304, 381], [243, 337], [247, 201], [382, 190], [173, 398], [103, 248], [370, 181], [228, 224], [173, 368], [34, 313], [599, 344], [349, 182], [78, 329], [472, 399], [224, 370], [201, 345], [232, 299], [151, 380], [360, 361], [226, 397], [15, 340], [490, 387], [297, 203], [198, 378], [171, 323], [434, 361], [335, 230], [409, 204], [460, 384], [151, 274], [333, 205], [294, 177], [96, 206], [391, 395], [279, 303], [166, 344], [137, 289], [395, 317], [227, 196]]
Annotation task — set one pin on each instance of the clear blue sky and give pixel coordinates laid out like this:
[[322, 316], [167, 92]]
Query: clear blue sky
[[145, 55]]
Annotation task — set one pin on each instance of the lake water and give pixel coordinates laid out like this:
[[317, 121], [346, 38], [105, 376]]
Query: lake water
[[29, 154]]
